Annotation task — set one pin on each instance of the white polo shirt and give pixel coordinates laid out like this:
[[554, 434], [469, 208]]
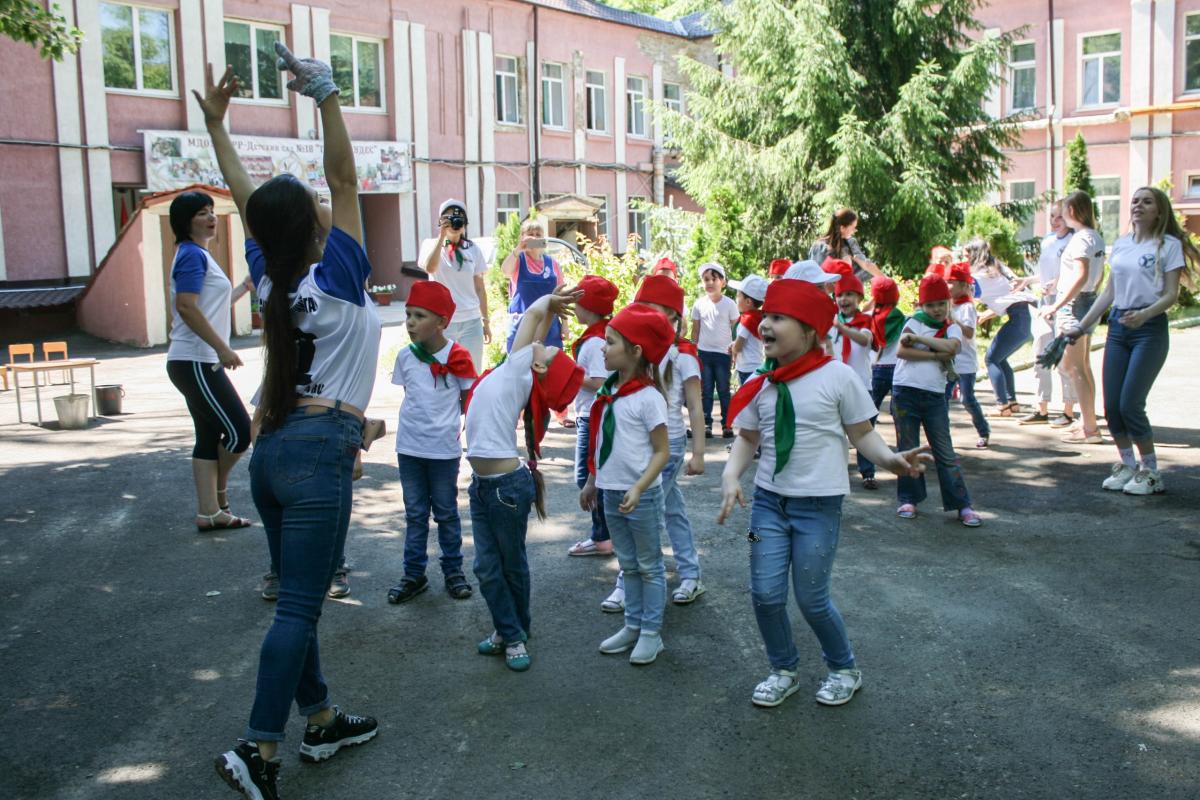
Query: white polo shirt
[[496, 406], [636, 416], [683, 367], [591, 361], [927, 375], [431, 411]]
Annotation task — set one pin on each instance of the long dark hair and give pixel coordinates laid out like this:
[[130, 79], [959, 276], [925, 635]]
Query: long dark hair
[[840, 219], [1082, 209], [283, 220], [184, 207]]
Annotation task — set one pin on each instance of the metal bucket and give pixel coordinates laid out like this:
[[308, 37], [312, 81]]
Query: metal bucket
[[108, 399], [72, 411]]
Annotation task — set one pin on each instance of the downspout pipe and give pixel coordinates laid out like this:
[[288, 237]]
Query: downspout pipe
[[534, 118]]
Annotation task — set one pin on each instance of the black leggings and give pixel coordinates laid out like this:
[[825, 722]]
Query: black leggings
[[217, 411]]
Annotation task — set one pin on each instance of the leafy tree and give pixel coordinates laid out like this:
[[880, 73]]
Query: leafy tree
[[26, 21], [872, 104], [1079, 173], [986, 222]]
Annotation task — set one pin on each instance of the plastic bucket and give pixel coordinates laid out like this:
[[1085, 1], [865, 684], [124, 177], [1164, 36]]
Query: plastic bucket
[[72, 411], [108, 399]]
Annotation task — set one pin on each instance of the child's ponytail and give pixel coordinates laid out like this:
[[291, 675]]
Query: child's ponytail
[[539, 483]]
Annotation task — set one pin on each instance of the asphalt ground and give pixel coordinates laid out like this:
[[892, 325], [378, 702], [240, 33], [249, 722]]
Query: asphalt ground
[[1052, 653]]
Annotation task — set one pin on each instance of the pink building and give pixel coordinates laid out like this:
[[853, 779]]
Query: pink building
[[1124, 74], [501, 104]]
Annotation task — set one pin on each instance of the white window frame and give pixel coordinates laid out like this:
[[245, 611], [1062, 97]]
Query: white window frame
[[1192, 39], [503, 208], [603, 217], [256, 26], [641, 218], [137, 52], [1013, 67], [1080, 102], [675, 105], [502, 78], [355, 40], [593, 90], [631, 104], [1029, 223], [548, 84], [1188, 177], [1101, 199]]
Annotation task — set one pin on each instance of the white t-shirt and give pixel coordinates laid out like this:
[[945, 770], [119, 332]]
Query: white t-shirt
[[860, 354], [716, 323], [496, 406], [460, 280], [683, 367], [430, 413], [591, 361], [825, 400], [888, 354], [194, 271], [750, 357], [995, 291], [1085, 245], [1050, 261], [927, 375], [636, 415], [966, 316], [1136, 270]]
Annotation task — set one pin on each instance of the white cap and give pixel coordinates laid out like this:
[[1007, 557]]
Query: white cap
[[714, 266], [452, 203], [752, 286], [810, 271]]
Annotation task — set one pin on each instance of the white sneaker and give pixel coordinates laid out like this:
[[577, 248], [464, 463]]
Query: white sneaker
[[649, 645], [839, 686], [620, 641], [615, 602], [1146, 481], [1121, 475]]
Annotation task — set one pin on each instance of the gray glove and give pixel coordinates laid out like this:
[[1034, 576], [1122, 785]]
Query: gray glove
[[313, 78]]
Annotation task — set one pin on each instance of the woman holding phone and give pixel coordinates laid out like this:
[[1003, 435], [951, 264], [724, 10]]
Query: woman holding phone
[[532, 274]]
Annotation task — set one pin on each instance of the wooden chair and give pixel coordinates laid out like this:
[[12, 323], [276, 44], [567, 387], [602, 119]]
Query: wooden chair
[[15, 350], [55, 348]]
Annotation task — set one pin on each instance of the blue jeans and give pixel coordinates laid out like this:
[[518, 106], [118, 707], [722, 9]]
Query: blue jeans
[[881, 387], [1132, 360], [301, 480], [743, 377], [499, 516], [430, 483], [582, 445], [714, 370], [1016, 331], [966, 393], [679, 527], [797, 538], [916, 409], [637, 541]]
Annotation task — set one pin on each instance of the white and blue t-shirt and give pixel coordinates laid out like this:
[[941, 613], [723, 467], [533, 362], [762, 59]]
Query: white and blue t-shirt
[[1137, 269], [194, 271]]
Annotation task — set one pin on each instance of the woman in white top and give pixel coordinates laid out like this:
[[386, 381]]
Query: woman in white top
[[1146, 267], [457, 263], [1000, 290], [1081, 271]]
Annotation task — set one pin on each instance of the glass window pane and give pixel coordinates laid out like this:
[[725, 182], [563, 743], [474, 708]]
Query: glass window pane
[[1112, 80], [1193, 25], [369, 94], [1191, 79], [1110, 219], [1024, 91], [1091, 82], [155, 31], [1106, 186], [341, 59], [1022, 52], [269, 85], [237, 55], [1108, 43], [116, 42]]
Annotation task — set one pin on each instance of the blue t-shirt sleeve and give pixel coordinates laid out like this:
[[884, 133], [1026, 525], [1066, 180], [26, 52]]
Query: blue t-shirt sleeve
[[255, 261], [191, 265], [344, 268]]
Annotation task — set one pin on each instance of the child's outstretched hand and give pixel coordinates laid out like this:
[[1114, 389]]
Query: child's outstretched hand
[[313, 78], [911, 463], [731, 492]]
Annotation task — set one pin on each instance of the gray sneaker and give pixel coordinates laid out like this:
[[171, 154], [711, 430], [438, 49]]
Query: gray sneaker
[[648, 646], [839, 686], [340, 585], [270, 586]]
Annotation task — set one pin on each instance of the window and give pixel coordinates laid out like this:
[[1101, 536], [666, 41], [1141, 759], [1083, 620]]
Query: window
[[1022, 76], [639, 222], [507, 109], [508, 206], [635, 106], [1191, 53], [1017, 191], [601, 215], [1100, 70], [138, 47], [356, 70], [250, 50], [673, 100], [1108, 206], [597, 102], [553, 96], [1193, 186]]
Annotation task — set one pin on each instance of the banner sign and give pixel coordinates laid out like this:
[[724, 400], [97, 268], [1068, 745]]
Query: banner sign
[[175, 159]]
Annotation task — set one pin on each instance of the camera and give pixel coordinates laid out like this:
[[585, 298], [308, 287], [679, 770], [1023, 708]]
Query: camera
[[455, 219]]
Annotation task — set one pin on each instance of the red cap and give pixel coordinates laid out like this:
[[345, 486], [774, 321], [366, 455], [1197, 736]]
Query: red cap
[[432, 296], [779, 266], [803, 301], [959, 272], [884, 291], [849, 283], [599, 294], [667, 264], [936, 269], [933, 288], [643, 326], [662, 290], [561, 381], [836, 266]]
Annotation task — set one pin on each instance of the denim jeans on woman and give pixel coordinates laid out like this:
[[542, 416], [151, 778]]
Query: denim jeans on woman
[[582, 445], [715, 370], [966, 393], [430, 484], [637, 541], [797, 539], [301, 480], [1016, 331], [500, 507], [914, 409], [1132, 360]]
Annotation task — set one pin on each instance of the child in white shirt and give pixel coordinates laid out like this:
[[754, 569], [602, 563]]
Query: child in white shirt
[[747, 348], [966, 363], [713, 318], [851, 341]]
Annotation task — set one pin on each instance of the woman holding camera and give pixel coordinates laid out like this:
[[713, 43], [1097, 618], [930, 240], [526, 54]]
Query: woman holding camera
[[454, 261]]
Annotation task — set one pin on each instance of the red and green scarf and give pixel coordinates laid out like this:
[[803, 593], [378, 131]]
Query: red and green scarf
[[458, 363], [886, 324], [594, 331], [940, 328], [750, 321], [785, 413], [453, 252], [859, 320], [603, 414]]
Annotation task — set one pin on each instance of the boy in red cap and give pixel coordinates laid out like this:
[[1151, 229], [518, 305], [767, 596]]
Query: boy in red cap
[[629, 451], [593, 310], [928, 345], [436, 374], [531, 382], [966, 363], [800, 408], [851, 342]]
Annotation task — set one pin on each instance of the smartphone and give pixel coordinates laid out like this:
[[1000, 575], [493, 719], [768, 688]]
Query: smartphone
[[536, 243]]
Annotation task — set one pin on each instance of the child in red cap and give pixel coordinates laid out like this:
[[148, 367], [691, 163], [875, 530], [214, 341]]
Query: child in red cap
[[801, 409], [629, 452], [778, 268], [531, 382], [593, 310], [887, 320], [966, 363], [928, 345], [436, 374], [852, 339]]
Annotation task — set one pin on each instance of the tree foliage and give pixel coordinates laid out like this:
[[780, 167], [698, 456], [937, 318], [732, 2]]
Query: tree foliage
[[873, 104], [1079, 172], [986, 222], [27, 21]]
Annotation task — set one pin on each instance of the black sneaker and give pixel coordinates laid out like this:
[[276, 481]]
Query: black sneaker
[[457, 587], [1035, 418], [345, 730], [407, 589], [727, 433], [246, 772]]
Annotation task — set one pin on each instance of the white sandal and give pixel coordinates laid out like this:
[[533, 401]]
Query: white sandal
[[779, 686]]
